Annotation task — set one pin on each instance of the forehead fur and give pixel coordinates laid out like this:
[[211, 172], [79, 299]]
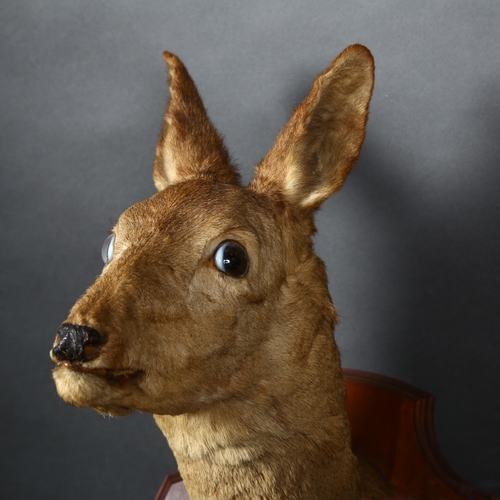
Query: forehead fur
[[205, 207]]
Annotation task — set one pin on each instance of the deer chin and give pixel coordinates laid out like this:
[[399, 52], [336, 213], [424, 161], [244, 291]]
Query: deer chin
[[103, 389]]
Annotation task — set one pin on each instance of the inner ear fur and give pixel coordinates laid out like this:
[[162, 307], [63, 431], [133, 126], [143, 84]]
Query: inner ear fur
[[189, 146], [321, 142]]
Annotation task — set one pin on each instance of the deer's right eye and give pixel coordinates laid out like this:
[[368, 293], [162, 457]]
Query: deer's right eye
[[107, 248]]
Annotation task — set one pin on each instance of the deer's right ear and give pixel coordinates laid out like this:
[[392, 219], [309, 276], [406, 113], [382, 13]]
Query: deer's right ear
[[321, 142], [189, 147]]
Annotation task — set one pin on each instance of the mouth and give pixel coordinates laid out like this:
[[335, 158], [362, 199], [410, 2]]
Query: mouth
[[107, 373]]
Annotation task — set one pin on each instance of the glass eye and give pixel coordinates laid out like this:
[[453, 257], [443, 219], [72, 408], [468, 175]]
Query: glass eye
[[231, 259], [107, 248]]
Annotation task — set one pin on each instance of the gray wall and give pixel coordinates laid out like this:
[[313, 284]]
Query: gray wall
[[411, 242]]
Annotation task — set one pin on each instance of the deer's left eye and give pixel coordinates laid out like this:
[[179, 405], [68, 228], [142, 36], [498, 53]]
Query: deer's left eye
[[231, 258], [107, 248]]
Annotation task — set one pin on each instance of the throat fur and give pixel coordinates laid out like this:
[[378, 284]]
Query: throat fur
[[292, 465]]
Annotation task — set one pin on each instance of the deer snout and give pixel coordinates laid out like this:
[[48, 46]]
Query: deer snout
[[72, 341]]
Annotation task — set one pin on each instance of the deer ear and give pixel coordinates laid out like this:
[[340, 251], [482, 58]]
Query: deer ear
[[321, 142], [189, 147]]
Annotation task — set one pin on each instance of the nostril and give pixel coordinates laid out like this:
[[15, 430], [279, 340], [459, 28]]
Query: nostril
[[72, 342], [58, 352]]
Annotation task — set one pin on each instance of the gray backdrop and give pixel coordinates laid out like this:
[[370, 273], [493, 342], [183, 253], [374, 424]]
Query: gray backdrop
[[411, 242]]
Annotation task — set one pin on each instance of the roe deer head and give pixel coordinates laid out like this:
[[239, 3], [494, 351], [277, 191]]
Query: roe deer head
[[213, 313]]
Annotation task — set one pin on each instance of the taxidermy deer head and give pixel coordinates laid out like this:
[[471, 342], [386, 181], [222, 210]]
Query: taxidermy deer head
[[212, 311]]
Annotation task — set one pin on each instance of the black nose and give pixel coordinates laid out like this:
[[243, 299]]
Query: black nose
[[72, 340]]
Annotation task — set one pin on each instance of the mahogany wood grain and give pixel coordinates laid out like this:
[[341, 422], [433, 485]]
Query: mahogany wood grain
[[170, 479], [393, 428]]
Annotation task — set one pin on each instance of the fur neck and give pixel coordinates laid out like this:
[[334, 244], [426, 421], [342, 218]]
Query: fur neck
[[275, 443]]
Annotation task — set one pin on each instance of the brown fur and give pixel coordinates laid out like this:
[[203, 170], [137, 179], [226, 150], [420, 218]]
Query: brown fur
[[242, 374]]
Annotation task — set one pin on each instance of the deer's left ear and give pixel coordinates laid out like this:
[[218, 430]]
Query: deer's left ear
[[189, 147], [321, 142]]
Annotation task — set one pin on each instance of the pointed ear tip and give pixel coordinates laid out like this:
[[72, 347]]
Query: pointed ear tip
[[360, 51], [169, 58]]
